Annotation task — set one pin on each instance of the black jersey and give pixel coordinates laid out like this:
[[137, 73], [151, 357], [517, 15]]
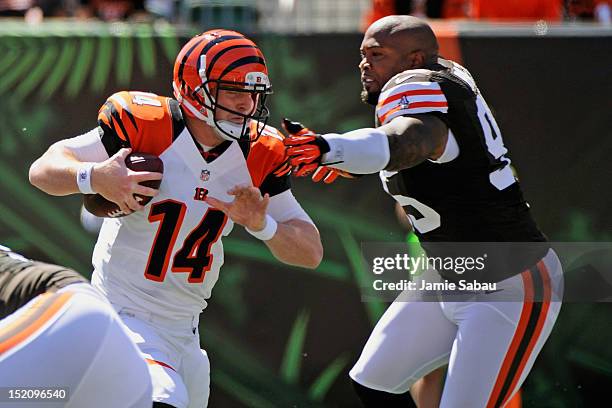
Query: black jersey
[[21, 280], [471, 193]]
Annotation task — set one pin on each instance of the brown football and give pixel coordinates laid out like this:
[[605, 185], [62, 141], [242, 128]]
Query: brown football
[[100, 206]]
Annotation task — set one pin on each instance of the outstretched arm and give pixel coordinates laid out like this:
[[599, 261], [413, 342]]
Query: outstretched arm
[[297, 242], [404, 142]]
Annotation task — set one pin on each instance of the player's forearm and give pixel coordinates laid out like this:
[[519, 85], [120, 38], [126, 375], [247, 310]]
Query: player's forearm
[[362, 151], [402, 143], [55, 172], [297, 242]]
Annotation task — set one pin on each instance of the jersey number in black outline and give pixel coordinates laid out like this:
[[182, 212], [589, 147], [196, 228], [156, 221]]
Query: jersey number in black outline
[[194, 256]]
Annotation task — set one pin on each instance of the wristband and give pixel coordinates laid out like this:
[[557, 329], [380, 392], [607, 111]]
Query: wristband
[[267, 232], [83, 180]]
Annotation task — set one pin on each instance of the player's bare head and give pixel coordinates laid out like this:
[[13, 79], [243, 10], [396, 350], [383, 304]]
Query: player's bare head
[[392, 45], [406, 35]]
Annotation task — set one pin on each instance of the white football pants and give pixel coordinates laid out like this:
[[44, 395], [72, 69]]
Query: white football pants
[[74, 339], [179, 369], [489, 346]]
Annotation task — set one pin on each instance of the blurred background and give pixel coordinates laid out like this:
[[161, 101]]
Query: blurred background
[[279, 336]]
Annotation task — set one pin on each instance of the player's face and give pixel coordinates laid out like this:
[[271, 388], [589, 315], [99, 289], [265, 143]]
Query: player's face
[[379, 62], [242, 102]]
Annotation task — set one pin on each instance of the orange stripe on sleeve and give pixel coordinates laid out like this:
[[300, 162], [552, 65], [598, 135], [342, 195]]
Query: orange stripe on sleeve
[[414, 92], [412, 105], [427, 104]]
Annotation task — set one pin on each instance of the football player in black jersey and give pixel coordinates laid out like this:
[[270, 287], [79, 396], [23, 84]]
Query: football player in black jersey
[[59, 335], [21, 280], [441, 155]]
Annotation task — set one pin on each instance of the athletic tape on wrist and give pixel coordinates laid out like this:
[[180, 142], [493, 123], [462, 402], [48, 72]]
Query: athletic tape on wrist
[[83, 180], [267, 232]]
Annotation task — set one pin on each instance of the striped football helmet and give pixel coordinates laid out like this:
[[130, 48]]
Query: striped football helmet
[[222, 60]]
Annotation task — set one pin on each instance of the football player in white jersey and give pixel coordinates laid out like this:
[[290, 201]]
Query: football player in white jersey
[[61, 342], [441, 155], [223, 165]]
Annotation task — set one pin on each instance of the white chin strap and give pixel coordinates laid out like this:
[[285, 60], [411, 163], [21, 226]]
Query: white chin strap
[[232, 128], [221, 126]]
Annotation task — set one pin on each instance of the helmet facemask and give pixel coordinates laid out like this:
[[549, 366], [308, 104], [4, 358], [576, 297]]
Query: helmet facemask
[[215, 62], [207, 95]]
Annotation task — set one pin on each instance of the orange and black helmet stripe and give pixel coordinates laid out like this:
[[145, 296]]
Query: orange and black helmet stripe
[[205, 49], [224, 51], [251, 59]]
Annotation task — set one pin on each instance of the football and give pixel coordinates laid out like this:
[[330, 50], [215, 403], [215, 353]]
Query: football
[[101, 207]]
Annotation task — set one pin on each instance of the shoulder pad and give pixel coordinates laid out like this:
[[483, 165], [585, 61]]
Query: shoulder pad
[[408, 93], [268, 131], [143, 121], [410, 75]]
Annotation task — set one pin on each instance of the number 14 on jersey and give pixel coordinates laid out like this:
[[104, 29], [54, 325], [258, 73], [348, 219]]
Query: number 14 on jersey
[[194, 256]]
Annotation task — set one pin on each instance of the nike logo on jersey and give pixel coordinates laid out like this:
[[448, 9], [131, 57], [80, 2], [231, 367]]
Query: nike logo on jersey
[[200, 194]]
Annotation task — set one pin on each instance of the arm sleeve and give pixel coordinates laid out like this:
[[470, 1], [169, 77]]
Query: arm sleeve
[[88, 146], [284, 207]]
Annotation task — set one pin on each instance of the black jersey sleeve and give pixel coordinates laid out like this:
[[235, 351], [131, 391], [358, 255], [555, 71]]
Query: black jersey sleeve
[[21, 280]]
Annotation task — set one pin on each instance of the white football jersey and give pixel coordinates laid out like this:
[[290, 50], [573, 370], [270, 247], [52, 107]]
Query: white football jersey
[[166, 258]]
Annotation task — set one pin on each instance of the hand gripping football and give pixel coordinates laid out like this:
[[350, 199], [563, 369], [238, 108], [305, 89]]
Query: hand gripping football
[[100, 206]]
